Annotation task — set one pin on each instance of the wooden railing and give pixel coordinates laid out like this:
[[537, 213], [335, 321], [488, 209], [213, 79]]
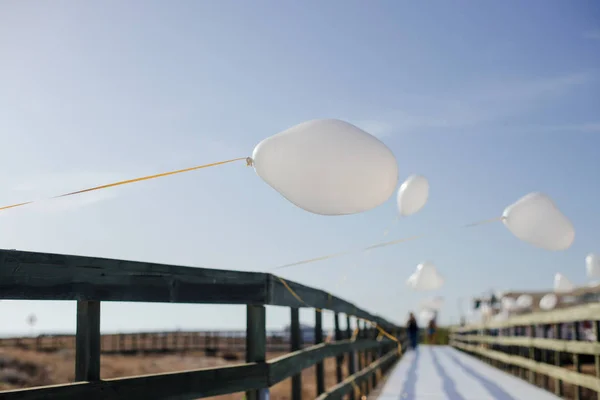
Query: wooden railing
[[40, 276], [547, 348]]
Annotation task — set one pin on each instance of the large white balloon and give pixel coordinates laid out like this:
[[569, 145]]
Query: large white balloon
[[412, 195], [328, 167], [562, 284], [426, 277], [535, 219], [549, 301], [524, 301], [592, 265]]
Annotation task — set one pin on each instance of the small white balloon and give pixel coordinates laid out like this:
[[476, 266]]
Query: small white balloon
[[535, 219], [413, 195], [426, 277], [549, 301], [524, 301], [562, 284], [328, 167], [508, 303], [592, 266]]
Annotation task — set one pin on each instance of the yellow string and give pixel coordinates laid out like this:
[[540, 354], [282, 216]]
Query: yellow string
[[378, 245], [144, 178]]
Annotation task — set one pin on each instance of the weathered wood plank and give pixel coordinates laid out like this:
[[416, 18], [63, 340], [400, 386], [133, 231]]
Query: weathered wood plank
[[338, 391], [42, 276], [285, 366], [87, 341], [315, 298], [320, 367], [256, 342], [178, 385], [296, 344], [574, 378], [567, 346], [585, 312]]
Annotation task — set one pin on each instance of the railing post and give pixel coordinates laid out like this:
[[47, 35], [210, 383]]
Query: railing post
[[374, 355], [558, 389], [596, 328], [296, 344], [576, 362], [256, 344], [351, 370], [339, 359], [319, 339], [87, 341], [531, 353]]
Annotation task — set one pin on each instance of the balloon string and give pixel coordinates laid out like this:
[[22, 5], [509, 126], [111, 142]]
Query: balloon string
[[143, 178], [379, 245], [355, 333]]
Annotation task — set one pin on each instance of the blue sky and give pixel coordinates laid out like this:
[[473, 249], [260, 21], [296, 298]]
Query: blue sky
[[488, 100]]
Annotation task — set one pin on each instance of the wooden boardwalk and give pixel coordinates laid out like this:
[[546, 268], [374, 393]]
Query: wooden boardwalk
[[442, 372]]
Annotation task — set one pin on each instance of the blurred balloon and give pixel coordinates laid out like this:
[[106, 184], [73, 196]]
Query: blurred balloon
[[524, 301], [328, 167], [508, 303], [562, 284], [412, 195], [592, 266], [549, 301], [426, 277], [535, 219]]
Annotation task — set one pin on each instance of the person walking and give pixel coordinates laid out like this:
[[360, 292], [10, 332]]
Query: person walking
[[431, 331], [413, 331]]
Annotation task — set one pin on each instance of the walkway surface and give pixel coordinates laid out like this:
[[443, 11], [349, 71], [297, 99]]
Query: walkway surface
[[441, 372]]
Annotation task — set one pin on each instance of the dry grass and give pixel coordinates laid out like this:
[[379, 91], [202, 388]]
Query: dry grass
[[34, 368]]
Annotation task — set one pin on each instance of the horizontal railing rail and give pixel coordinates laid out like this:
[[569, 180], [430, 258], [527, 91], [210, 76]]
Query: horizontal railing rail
[[522, 344], [89, 281]]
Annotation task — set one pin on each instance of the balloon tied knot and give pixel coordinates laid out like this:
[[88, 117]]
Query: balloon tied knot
[[249, 162]]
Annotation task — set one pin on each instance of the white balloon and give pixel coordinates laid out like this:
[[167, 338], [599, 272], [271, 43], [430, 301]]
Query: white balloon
[[328, 167], [535, 219], [562, 284], [412, 195], [592, 265], [524, 301], [426, 277], [548, 302], [508, 303]]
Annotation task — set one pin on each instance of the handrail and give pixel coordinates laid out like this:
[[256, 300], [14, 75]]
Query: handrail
[[585, 312], [514, 344], [46, 276], [90, 280]]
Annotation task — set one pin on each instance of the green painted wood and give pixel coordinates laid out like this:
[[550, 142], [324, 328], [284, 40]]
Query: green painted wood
[[87, 341], [343, 388], [290, 364], [320, 367], [256, 341], [296, 344], [42, 276], [172, 386], [315, 298], [338, 337]]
